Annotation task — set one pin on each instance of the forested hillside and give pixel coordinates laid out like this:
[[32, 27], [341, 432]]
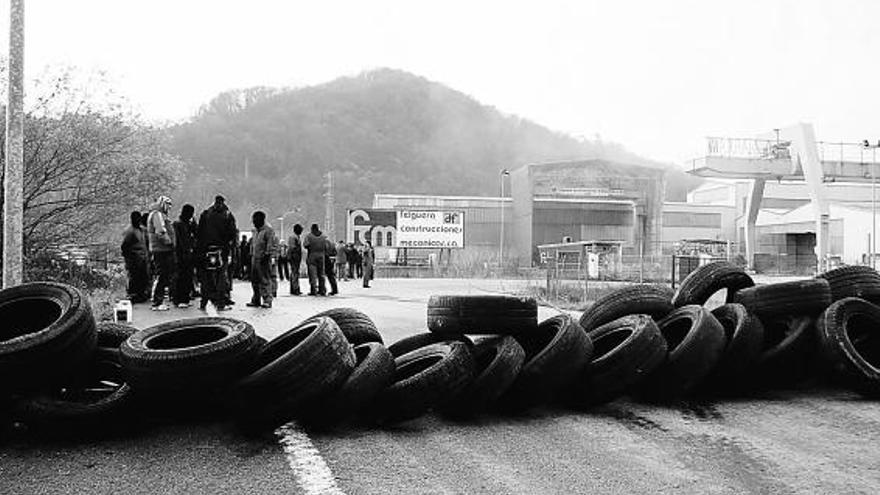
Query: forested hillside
[[382, 131]]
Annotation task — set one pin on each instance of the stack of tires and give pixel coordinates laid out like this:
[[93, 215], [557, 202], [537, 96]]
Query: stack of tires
[[482, 353], [54, 374]]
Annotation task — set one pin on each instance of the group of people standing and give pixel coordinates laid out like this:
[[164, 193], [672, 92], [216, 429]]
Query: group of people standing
[[190, 259]]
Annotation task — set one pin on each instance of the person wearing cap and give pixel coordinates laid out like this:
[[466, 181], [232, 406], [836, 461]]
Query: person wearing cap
[[161, 237]]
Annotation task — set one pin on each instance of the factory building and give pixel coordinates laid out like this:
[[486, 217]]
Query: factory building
[[588, 200], [785, 226]]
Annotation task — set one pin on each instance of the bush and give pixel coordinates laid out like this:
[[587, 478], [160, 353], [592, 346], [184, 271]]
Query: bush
[[102, 286]]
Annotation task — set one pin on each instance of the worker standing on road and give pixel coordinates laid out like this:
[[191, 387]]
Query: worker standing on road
[[316, 245], [214, 243], [161, 235], [184, 248], [369, 259], [294, 254], [264, 250], [283, 260], [341, 261], [330, 267], [134, 252]]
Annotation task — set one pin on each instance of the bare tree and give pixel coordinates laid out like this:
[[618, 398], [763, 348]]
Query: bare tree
[[88, 161]]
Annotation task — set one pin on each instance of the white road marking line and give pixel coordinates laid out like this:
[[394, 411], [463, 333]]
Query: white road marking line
[[312, 473]]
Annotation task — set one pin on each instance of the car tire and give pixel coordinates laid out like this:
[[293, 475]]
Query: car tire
[[695, 342], [788, 351], [357, 327], [482, 314], [426, 378], [498, 361], [649, 299], [798, 298], [708, 279], [373, 373], [96, 401], [849, 337], [745, 339], [555, 355], [299, 368], [853, 281], [110, 338], [413, 342], [626, 351], [189, 356], [48, 332]]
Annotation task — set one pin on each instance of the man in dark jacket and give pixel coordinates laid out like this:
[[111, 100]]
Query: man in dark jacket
[[316, 246], [294, 254], [134, 251], [244, 258], [216, 235], [264, 250], [185, 236], [330, 267]]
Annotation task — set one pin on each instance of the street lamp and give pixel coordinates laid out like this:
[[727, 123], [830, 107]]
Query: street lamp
[[504, 173]]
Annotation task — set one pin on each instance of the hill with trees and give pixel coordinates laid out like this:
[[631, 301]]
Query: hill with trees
[[383, 131]]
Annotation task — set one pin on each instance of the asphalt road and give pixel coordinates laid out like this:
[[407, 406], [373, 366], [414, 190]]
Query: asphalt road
[[807, 441]]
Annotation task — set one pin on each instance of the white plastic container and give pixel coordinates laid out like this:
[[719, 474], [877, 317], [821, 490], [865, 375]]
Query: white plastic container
[[122, 312]]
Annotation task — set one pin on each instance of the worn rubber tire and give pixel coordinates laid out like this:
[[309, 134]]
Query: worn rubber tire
[[849, 338], [626, 352], [498, 361], [745, 340], [110, 338], [413, 342], [853, 281], [299, 368], [555, 355], [801, 297], [708, 279], [482, 314], [652, 300], [788, 351], [373, 373], [189, 356], [425, 378], [695, 342], [357, 327], [47, 332], [59, 412]]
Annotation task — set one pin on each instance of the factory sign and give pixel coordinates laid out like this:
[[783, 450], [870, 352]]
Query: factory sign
[[407, 228]]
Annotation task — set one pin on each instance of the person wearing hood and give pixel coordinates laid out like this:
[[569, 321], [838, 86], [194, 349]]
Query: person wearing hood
[[160, 233], [315, 244], [134, 252], [214, 242], [184, 247], [264, 251]]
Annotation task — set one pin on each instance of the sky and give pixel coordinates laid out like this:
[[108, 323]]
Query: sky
[[655, 76]]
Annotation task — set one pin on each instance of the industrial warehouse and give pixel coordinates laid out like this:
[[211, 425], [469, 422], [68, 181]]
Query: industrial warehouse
[[618, 210]]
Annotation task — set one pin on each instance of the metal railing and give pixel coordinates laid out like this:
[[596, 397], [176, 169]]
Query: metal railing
[[767, 149]]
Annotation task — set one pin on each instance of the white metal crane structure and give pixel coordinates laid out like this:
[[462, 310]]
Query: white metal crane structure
[[793, 154]]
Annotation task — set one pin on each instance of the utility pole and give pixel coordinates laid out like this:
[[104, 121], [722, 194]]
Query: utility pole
[[13, 193], [329, 223]]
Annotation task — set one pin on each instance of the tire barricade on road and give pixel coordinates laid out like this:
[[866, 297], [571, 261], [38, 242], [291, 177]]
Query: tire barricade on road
[[62, 373]]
